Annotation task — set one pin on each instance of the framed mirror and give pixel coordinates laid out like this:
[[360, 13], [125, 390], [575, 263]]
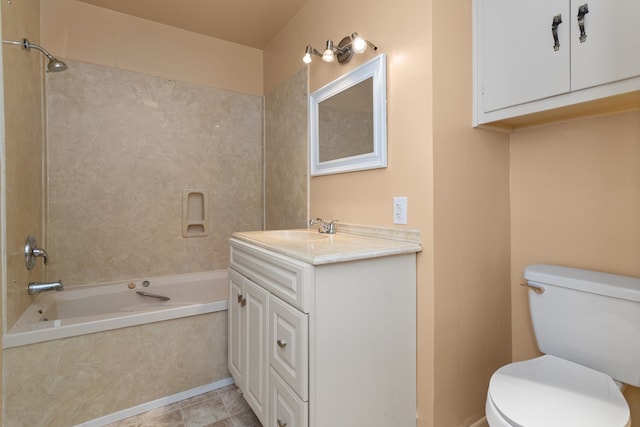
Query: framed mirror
[[348, 121]]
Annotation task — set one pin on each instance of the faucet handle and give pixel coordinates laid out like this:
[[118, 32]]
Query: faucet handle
[[37, 252], [31, 251], [316, 221]]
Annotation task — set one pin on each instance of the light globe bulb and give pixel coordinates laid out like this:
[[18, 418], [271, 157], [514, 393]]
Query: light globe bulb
[[359, 44], [306, 58], [328, 56]]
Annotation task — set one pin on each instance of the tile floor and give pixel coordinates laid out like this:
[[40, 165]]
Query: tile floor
[[224, 407]]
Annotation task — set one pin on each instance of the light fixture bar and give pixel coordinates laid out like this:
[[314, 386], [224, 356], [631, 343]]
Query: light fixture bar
[[343, 52]]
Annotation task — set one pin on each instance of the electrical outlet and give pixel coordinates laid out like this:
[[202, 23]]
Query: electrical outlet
[[399, 210]]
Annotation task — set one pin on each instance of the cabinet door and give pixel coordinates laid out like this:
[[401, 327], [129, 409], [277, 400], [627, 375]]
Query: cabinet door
[[516, 55], [236, 328], [256, 312], [611, 50], [287, 409], [289, 345]]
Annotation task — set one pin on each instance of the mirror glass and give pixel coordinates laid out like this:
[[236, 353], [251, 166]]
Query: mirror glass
[[348, 121]]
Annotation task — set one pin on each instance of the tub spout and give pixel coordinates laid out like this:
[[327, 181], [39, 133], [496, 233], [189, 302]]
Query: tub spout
[[37, 287]]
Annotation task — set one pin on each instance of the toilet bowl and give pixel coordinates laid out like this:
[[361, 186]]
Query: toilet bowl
[[551, 392], [587, 324]]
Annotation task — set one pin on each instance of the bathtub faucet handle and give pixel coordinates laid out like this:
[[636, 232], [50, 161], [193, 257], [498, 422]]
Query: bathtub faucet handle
[[31, 252], [38, 252]]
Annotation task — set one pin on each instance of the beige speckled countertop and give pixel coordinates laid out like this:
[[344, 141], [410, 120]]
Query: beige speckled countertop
[[351, 242]]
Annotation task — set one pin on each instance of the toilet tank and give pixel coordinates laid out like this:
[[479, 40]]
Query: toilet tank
[[588, 317]]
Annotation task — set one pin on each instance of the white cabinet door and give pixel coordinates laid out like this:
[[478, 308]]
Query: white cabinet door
[[256, 312], [236, 328], [287, 409], [289, 346], [611, 50], [516, 56]]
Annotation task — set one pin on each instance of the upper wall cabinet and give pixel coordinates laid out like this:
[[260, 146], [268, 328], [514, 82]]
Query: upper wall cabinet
[[535, 56]]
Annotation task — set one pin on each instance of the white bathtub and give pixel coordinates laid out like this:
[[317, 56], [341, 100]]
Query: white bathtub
[[85, 309]]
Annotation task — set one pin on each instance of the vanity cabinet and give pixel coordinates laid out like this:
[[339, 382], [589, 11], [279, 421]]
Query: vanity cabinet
[[340, 337], [547, 54]]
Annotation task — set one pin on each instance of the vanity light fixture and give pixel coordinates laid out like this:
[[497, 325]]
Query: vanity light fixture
[[343, 52]]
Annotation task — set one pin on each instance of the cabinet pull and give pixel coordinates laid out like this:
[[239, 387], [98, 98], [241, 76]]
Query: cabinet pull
[[582, 10], [243, 302], [282, 343], [282, 423], [557, 20], [239, 298]]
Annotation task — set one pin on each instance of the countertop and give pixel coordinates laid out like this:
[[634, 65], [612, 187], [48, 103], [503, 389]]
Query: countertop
[[351, 242]]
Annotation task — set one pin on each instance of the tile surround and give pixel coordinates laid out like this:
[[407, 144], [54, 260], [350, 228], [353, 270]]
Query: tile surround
[[286, 154], [24, 153], [122, 147]]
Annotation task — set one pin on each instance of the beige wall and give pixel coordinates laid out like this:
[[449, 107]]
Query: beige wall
[[88, 33], [575, 201], [455, 178], [471, 202], [122, 148], [286, 155]]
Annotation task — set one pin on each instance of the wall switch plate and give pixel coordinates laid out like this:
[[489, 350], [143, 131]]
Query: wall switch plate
[[399, 210]]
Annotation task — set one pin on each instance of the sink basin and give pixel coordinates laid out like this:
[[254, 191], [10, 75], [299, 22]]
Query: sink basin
[[301, 235]]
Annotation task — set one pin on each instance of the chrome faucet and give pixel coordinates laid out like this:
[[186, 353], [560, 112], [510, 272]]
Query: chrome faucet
[[37, 287], [31, 252], [325, 227]]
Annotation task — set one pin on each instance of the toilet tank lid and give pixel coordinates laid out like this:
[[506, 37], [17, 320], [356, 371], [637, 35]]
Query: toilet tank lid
[[612, 285]]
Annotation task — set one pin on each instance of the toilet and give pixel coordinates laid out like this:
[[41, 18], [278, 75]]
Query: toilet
[[587, 324]]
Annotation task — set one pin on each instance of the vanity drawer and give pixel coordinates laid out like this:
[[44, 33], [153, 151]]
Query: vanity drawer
[[283, 276], [286, 408], [289, 345]]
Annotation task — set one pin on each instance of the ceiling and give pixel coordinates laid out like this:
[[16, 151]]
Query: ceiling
[[247, 22]]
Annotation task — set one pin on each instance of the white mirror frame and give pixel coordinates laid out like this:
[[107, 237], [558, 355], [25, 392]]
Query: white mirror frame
[[376, 69]]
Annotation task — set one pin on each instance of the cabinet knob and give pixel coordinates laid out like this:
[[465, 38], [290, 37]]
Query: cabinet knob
[[557, 20], [582, 10], [282, 343], [281, 423]]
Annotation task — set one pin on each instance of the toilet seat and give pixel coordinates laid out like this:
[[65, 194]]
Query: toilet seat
[[548, 391]]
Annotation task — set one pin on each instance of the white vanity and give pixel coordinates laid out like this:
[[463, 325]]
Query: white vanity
[[322, 328]]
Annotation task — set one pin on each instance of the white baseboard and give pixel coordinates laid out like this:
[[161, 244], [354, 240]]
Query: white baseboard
[[158, 403]]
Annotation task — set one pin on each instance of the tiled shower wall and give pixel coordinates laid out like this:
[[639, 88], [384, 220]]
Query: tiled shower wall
[[122, 147], [286, 154]]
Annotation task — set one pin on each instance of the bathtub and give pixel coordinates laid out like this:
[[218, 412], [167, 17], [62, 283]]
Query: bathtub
[[105, 353], [85, 309]]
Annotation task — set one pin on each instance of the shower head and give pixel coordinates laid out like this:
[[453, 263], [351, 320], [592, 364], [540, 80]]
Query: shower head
[[54, 64]]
